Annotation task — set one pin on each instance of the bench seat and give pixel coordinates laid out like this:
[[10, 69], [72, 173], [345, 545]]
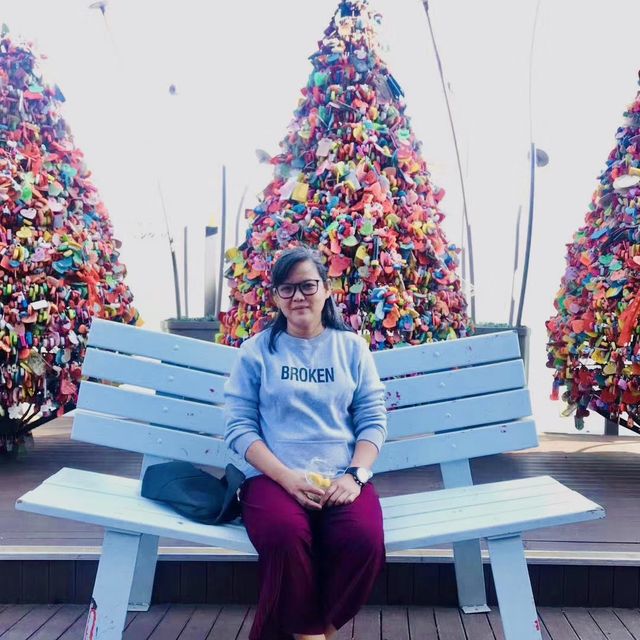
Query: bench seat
[[410, 521]]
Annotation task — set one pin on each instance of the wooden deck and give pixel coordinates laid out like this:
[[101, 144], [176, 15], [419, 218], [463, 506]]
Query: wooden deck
[[232, 622]]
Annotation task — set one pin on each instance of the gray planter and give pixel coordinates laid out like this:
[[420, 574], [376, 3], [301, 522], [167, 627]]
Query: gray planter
[[524, 333], [199, 329]]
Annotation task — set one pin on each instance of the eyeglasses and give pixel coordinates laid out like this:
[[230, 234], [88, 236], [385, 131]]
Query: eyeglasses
[[288, 289]]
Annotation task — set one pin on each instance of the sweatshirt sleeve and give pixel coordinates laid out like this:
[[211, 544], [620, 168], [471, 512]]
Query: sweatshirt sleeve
[[241, 396], [368, 408]]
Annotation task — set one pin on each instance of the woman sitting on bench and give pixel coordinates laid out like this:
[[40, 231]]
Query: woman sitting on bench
[[307, 387]]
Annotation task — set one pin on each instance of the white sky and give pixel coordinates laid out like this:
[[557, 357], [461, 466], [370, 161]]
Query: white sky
[[238, 68]]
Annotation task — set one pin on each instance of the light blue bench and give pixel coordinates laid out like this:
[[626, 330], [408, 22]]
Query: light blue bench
[[467, 400]]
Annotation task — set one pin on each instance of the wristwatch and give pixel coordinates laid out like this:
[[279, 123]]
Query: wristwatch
[[361, 475]]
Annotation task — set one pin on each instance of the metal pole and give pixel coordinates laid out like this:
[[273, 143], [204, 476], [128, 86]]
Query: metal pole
[[238, 214], [223, 234], [515, 267], [174, 263], [186, 273], [532, 151], [425, 4], [211, 264], [527, 254]]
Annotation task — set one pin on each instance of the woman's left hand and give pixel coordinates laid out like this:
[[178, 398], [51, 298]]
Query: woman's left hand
[[343, 490]]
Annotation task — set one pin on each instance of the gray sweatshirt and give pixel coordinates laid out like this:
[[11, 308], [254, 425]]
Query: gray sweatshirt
[[311, 398]]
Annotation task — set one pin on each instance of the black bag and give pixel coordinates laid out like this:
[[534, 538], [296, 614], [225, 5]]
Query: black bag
[[193, 493]]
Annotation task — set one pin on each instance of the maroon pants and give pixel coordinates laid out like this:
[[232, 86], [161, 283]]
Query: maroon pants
[[316, 567]]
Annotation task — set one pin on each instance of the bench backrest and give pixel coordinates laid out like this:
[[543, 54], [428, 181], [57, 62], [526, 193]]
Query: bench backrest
[[447, 402]]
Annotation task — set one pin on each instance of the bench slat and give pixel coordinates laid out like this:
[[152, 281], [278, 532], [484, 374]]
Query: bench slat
[[471, 516], [463, 352], [210, 450], [456, 445], [95, 481], [206, 418], [194, 384], [465, 514], [189, 352], [162, 410], [149, 439], [218, 358], [166, 378], [456, 383], [459, 413], [108, 488], [498, 525], [124, 514], [441, 499]]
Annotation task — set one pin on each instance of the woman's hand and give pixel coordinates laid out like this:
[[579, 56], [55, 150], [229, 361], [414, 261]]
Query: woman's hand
[[343, 490], [307, 495]]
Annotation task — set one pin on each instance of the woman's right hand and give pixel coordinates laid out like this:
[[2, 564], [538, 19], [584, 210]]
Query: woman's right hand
[[296, 485]]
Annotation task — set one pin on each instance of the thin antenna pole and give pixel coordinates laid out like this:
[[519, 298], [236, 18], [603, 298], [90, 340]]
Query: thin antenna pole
[[173, 254], [527, 253], [532, 185], [238, 214], [223, 234], [531, 48], [102, 6], [425, 4], [186, 270], [515, 266]]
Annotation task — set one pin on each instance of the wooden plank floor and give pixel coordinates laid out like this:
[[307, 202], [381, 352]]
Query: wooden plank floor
[[232, 622], [604, 469]]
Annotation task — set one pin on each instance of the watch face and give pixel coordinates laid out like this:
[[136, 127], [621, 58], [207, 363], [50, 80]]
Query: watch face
[[362, 474]]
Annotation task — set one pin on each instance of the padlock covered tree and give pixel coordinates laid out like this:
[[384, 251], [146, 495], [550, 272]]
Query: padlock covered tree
[[593, 340], [58, 259], [351, 182]]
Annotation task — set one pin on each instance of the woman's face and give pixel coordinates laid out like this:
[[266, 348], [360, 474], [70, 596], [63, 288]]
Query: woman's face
[[303, 311]]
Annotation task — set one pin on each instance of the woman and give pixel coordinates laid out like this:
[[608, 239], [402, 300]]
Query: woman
[[307, 387]]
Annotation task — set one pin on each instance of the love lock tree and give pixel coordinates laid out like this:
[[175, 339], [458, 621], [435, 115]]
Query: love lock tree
[[350, 181], [593, 342], [58, 258]]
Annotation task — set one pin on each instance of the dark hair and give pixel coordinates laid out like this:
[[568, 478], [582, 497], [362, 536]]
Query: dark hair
[[331, 317]]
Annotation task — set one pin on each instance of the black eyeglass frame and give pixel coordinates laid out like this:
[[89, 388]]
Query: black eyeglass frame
[[297, 287]]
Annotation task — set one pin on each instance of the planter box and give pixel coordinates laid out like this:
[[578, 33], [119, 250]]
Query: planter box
[[524, 333], [199, 329]]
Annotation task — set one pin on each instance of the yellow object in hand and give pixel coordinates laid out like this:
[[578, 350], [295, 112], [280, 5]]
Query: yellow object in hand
[[322, 482]]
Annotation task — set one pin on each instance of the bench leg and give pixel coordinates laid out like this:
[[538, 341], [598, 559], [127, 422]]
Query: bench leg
[[513, 588], [113, 584], [145, 571], [472, 594]]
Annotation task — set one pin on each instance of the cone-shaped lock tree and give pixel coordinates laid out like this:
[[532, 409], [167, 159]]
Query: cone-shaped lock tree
[[58, 258], [593, 340], [350, 181]]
